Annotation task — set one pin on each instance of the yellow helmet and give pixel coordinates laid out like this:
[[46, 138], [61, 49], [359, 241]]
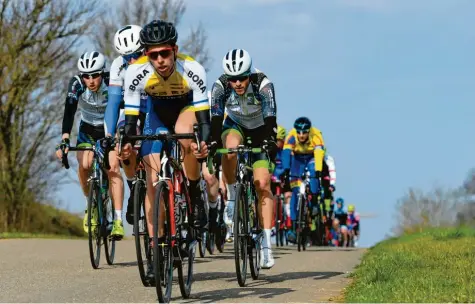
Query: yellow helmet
[[351, 208], [281, 132]]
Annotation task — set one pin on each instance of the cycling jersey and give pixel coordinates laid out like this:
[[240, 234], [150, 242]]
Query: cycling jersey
[[92, 105], [115, 106], [353, 219], [249, 110], [328, 171], [183, 90], [314, 145]]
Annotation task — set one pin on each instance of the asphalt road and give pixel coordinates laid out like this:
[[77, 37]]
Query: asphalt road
[[36, 270]]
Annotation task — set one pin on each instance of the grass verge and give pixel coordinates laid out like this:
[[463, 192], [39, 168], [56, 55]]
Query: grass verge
[[26, 235], [437, 265]]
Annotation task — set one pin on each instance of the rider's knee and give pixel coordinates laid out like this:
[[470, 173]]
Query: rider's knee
[[209, 178], [262, 184]]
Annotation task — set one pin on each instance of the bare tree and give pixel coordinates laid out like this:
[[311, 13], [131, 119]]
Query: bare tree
[[37, 41], [143, 12]]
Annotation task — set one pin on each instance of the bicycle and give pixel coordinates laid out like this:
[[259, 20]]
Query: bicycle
[[303, 217], [99, 206], [247, 231], [176, 249]]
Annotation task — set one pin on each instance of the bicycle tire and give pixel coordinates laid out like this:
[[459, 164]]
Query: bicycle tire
[[254, 243], [240, 235], [163, 255], [94, 233], [211, 242], [109, 242], [185, 282], [141, 236]]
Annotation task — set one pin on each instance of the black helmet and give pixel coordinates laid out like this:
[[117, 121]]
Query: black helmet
[[302, 124], [158, 32]]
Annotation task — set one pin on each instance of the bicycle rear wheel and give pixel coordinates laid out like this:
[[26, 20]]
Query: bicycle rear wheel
[[94, 232], [254, 240], [141, 237], [278, 217], [162, 253], [240, 234], [109, 242], [203, 240]]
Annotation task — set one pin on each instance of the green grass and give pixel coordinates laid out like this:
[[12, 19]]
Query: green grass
[[437, 265]]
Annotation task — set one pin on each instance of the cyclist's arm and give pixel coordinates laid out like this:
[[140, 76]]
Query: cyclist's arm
[[200, 100], [218, 101], [269, 108], [71, 104], [318, 152], [114, 97], [132, 92], [289, 145]]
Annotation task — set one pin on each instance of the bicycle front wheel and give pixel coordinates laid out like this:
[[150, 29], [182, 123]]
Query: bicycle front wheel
[[94, 231], [162, 251], [142, 243], [241, 229], [301, 220]]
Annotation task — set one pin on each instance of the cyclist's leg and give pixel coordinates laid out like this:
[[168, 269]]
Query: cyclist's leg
[[117, 193], [184, 124], [85, 158], [296, 169], [262, 177], [150, 152]]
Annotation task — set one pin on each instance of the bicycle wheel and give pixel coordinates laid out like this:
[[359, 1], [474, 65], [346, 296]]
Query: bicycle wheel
[[254, 240], [163, 256], [240, 234], [300, 221], [142, 243], [187, 256], [109, 242], [94, 232]]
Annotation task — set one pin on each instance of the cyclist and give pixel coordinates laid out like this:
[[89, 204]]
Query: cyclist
[[278, 172], [176, 87], [304, 148], [127, 44], [88, 91], [353, 224], [248, 96], [342, 216]]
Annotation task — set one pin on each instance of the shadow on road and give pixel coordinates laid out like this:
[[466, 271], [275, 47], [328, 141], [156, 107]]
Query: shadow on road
[[236, 293], [278, 278]]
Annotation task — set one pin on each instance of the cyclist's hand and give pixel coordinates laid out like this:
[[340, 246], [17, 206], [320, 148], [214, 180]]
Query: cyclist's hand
[[63, 147], [204, 150], [332, 188], [126, 152]]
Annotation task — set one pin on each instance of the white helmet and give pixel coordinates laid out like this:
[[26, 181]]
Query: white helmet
[[91, 62], [237, 62], [127, 39]]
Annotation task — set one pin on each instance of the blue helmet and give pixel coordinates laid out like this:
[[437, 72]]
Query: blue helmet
[[302, 124], [340, 201]]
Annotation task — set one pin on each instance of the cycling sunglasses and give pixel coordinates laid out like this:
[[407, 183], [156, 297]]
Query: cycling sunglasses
[[303, 131], [93, 75], [135, 55], [164, 53], [240, 78]]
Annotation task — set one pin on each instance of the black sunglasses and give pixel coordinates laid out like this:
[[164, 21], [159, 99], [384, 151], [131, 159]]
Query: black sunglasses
[[163, 53], [93, 76], [237, 78]]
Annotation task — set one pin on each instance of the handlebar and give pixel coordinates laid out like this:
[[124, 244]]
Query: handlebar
[[64, 159]]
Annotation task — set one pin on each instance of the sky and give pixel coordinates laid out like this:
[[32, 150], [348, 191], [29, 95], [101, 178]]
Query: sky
[[390, 83]]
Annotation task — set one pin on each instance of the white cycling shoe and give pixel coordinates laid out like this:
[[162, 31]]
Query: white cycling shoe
[[267, 259]]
